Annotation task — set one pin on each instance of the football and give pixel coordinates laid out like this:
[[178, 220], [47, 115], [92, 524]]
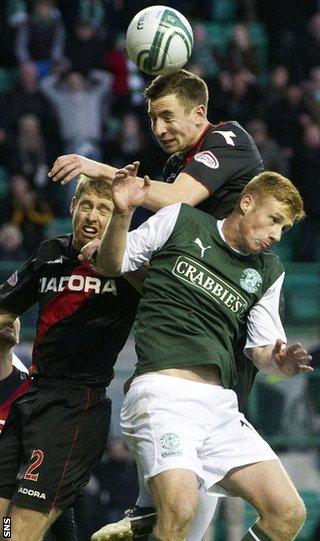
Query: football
[[159, 40]]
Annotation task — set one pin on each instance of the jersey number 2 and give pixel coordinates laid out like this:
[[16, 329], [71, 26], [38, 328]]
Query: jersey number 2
[[38, 456]]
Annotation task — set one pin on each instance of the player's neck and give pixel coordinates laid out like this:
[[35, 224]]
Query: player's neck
[[5, 364]]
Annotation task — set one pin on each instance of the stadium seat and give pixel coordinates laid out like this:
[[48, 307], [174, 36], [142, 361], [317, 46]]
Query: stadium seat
[[311, 500], [4, 182], [302, 293]]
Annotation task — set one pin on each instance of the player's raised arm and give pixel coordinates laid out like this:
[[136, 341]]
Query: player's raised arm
[[69, 166], [127, 195]]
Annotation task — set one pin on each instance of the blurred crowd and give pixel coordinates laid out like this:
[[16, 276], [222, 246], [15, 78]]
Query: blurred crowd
[[67, 86]]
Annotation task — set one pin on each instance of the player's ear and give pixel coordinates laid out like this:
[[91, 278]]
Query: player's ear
[[246, 202], [200, 112], [72, 205]]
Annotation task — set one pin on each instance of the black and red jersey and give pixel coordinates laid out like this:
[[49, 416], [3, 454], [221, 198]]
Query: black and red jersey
[[84, 318], [224, 159], [10, 388]]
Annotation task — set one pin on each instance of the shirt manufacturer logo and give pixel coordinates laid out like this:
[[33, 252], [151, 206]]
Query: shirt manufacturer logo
[[198, 242], [207, 158], [211, 284]]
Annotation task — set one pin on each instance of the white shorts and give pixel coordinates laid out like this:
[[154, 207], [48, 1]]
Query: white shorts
[[171, 422]]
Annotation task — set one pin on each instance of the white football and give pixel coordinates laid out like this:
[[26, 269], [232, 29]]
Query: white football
[[159, 40]]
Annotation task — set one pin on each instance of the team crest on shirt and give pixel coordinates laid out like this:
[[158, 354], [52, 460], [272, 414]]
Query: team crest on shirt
[[207, 158], [13, 279], [250, 280], [171, 445]]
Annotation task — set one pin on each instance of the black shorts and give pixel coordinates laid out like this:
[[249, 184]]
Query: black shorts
[[53, 437]]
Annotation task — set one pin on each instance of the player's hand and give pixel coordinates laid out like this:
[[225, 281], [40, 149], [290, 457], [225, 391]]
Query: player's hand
[[69, 166], [291, 360], [129, 191], [89, 250]]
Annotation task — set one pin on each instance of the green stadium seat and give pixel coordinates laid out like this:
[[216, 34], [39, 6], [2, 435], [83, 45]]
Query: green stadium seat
[[302, 293], [4, 182], [311, 500], [8, 78]]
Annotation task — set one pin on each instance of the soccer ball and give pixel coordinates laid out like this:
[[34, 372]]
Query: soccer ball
[[159, 40]]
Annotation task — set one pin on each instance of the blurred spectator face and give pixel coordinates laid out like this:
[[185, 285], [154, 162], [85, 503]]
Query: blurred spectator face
[[241, 36], [315, 25], [29, 126], [258, 130], [279, 77], [294, 94], [311, 135], [75, 82], [84, 32], [28, 75], [10, 335], [43, 8], [20, 187], [200, 33], [10, 237], [239, 83]]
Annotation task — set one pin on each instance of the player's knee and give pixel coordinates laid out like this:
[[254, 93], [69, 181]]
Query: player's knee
[[288, 518], [177, 517], [295, 515]]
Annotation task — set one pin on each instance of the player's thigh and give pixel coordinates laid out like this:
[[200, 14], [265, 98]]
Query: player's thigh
[[175, 490], [265, 485], [29, 525]]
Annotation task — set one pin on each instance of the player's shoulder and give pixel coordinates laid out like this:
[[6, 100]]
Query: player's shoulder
[[272, 264], [228, 133], [54, 246]]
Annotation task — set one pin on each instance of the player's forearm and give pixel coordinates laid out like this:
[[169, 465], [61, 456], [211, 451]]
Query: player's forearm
[[262, 358], [113, 245]]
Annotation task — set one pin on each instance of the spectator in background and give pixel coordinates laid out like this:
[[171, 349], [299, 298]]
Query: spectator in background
[[30, 212], [85, 47], [29, 152], [12, 14], [277, 85], [311, 96], [237, 96], [79, 104], [204, 54], [130, 143], [128, 82], [27, 97], [268, 147], [41, 38], [309, 42], [307, 167], [286, 119], [241, 52], [11, 243]]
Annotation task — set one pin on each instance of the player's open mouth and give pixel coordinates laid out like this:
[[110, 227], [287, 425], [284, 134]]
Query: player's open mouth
[[89, 231]]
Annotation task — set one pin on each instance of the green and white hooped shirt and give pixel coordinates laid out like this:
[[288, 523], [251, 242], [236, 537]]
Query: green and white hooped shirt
[[200, 295]]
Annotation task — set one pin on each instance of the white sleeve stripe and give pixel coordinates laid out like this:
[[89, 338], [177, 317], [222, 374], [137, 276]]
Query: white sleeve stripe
[[149, 237]]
